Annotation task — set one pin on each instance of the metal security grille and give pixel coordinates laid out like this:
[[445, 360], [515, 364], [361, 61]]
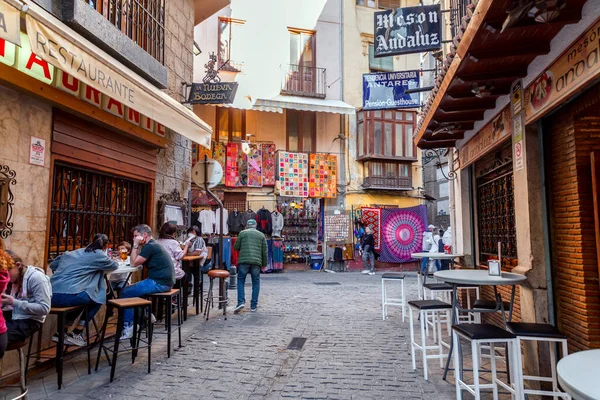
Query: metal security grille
[[143, 21], [496, 211], [87, 202]]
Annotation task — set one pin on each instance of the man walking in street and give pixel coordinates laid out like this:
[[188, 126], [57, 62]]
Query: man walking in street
[[252, 247]]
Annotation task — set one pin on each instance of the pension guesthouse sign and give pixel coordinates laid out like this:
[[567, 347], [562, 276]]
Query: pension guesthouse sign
[[408, 30], [387, 90]]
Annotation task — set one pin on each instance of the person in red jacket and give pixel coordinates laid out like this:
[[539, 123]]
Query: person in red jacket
[[6, 262]]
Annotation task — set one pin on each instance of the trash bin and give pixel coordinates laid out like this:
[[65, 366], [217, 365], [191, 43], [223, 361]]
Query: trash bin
[[233, 277], [316, 260]]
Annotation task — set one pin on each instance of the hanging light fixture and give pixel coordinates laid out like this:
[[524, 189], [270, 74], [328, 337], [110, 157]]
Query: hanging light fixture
[[545, 11]]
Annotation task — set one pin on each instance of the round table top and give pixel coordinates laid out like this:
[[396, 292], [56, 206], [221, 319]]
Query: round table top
[[436, 256], [479, 277], [578, 374], [123, 269]]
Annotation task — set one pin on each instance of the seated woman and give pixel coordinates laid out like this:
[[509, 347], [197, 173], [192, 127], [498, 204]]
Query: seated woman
[[79, 280], [197, 247], [166, 237], [27, 300], [119, 281], [6, 262]]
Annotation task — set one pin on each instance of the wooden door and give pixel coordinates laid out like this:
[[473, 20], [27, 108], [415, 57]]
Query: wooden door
[[595, 158]]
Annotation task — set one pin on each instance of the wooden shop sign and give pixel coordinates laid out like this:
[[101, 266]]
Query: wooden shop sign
[[491, 135]]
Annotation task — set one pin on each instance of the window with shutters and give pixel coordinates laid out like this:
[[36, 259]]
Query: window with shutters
[[386, 134], [230, 52]]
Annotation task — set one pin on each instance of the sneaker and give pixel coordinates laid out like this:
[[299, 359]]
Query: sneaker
[[127, 333], [365, 271], [239, 308], [152, 318], [75, 339], [254, 309], [371, 273], [55, 337]]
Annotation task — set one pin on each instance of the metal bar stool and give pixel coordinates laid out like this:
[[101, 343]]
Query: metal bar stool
[[121, 305], [213, 274], [388, 301], [166, 299], [489, 334], [424, 307], [541, 333], [22, 368]]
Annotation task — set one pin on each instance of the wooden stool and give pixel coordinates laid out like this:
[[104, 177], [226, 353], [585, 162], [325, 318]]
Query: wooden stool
[[60, 313], [22, 368], [121, 305], [213, 274], [167, 298]]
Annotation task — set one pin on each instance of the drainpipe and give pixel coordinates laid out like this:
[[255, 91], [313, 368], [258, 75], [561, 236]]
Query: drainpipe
[[342, 136]]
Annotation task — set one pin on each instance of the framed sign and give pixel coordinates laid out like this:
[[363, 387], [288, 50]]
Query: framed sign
[[213, 93], [408, 30], [386, 90], [37, 151]]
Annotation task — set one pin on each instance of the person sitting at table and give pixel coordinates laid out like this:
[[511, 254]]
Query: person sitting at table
[[198, 246], [161, 273], [166, 237], [79, 280], [27, 300], [119, 281]]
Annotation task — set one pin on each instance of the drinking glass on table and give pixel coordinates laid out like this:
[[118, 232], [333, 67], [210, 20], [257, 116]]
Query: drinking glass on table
[[123, 255]]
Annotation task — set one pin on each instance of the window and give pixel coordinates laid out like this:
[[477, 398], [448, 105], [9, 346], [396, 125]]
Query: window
[[386, 134], [387, 175], [231, 125], [301, 127], [383, 64], [302, 48], [443, 190], [382, 4], [230, 56]]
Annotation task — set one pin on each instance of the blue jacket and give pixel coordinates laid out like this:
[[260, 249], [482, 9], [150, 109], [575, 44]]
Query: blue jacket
[[78, 271]]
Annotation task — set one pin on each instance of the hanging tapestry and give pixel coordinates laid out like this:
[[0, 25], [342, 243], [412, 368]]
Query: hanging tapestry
[[232, 172], [323, 175], [255, 166], [198, 153], [268, 164], [293, 174], [371, 217], [220, 155], [242, 161], [402, 233]]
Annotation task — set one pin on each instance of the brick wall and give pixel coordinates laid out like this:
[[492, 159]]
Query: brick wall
[[574, 132]]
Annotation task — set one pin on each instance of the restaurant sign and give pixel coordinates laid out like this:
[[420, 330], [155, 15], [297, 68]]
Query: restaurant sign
[[386, 90], [579, 64], [10, 23], [408, 30], [213, 93], [494, 133]]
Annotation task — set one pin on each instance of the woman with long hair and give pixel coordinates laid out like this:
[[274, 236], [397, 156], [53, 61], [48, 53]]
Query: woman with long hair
[[6, 263], [27, 298], [79, 280]]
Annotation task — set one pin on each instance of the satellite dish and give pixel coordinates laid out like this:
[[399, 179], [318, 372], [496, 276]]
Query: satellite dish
[[214, 173]]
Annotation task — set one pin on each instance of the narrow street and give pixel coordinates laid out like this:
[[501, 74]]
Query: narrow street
[[350, 353]]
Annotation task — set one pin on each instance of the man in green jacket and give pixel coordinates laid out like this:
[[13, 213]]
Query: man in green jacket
[[252, 246]]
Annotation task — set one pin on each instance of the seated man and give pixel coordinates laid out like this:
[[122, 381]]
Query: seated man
[[161, 273], [26, 302]]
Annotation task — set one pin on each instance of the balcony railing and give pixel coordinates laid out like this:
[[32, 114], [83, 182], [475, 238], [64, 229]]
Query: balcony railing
[[458, 9], [143, 21], [387, 183], [299, 80]]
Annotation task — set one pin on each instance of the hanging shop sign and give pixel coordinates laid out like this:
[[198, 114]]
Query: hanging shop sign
[[386, 90], [212, 90], [490, 136], [578, 65], [518, 126], [10, 24], [408, 30]]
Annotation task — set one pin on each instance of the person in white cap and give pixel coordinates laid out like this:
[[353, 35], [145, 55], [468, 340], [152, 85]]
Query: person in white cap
[[428, 243]]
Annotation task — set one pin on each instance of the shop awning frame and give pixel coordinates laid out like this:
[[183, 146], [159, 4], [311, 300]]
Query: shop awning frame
[[179, 118], [305, 104]]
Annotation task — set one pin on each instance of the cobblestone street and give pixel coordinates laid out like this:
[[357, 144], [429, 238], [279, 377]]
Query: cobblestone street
[[350, 353]]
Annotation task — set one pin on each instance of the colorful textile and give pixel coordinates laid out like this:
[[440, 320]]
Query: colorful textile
[[242, 161], [255, 166], [198, 153], [232, 173], [268, 164], [402, 233], [371, 217], [293, 174], [277, 254], [323, 175], [220, 155]]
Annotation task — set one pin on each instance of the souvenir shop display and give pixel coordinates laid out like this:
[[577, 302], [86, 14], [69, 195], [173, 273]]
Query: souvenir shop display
[[264, 222], [232, 171], [293, 174], [207, 221], [323, 176], [235, 221], [337, 228], [220, 155], [371, 217], [242, 167], [277, 220], [248, 215], [269, 160], [300, 229], [218, 221], [255, 160]]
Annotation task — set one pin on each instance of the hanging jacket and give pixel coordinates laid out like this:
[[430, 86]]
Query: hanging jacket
[[218, 221], [235, 222], [264, 222], [247, 216], [277, 219]]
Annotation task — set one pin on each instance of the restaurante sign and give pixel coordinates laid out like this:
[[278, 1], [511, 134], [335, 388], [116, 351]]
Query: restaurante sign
[[408, 30], [10, 23]]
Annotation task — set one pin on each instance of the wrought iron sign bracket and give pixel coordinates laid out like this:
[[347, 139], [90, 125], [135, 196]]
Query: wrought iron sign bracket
[[7, 178], [433, 154]]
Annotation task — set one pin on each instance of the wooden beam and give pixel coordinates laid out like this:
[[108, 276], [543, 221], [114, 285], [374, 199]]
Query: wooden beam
[[498, 91], [494, 75], [470, 107], [539, 49], [462, 115], [569, 15], [63, 100], [466, 125], [437, 144]]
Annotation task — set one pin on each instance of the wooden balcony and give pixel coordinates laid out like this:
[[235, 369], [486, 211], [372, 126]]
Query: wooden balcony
[[299, 80], [403, 183]]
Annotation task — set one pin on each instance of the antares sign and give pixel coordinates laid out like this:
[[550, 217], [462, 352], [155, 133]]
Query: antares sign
[[408, 30], [387, 90], [213, 93]]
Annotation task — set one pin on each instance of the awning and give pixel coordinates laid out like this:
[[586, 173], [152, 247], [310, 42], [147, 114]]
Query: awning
[[88, 63], [306, 104]]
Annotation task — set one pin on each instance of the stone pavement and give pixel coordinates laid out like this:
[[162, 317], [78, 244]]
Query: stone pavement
[[350, 353]]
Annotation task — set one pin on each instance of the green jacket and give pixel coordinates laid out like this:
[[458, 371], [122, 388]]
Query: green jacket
[[252, 246]]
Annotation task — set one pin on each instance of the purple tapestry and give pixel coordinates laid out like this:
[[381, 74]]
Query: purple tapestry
[[402, 233]]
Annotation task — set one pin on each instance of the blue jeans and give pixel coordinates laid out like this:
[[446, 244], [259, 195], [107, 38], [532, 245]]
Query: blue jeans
[[369, 259], [77, 299], [254, 271], [140, 289], [424, 264]]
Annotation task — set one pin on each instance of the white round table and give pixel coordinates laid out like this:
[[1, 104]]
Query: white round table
[[578, 374], [436, 256], [123, 269], [479, 277]]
